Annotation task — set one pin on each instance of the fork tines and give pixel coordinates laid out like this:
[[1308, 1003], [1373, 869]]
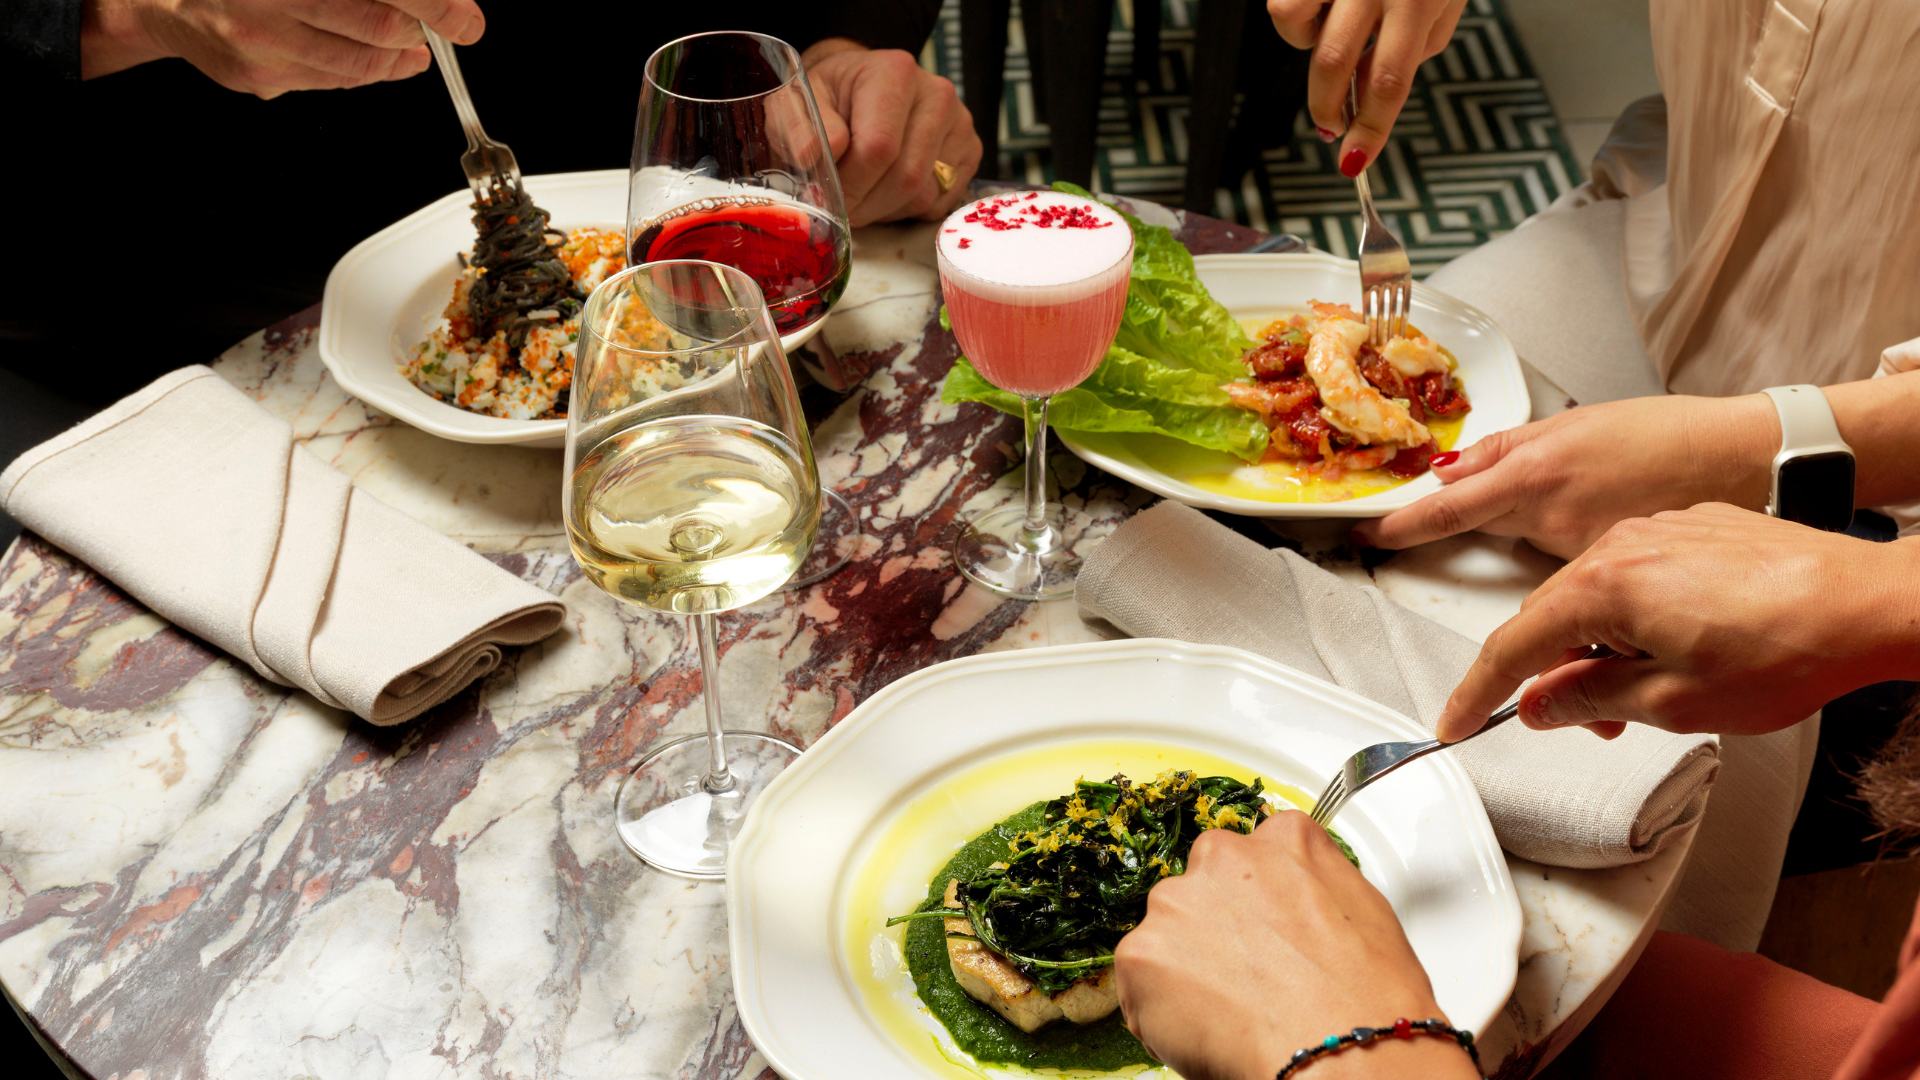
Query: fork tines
[[1329, 802], [1386, 310], [1386, 274]]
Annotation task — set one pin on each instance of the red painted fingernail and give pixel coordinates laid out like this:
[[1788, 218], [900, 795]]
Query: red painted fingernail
[[1354, 163], [1326, 134], [1445, 458]]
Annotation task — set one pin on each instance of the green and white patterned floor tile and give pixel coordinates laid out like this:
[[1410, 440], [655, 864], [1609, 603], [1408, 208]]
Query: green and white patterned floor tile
[[1477, 149]]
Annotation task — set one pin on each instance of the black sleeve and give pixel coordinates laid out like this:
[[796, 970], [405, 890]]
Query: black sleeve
[[40, 43], [877, 24], [885, 24]]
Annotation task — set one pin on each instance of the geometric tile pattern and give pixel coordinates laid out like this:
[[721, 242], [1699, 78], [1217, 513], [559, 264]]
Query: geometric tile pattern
[[1477, 149]]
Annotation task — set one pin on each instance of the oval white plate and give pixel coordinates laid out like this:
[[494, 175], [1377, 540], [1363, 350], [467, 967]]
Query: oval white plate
[[383, 296], [1422, 837], [1260, 285]]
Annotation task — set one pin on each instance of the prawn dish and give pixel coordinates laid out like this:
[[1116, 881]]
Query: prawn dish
[[1335, 404]]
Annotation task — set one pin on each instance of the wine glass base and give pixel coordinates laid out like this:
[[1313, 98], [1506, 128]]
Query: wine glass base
[[995, 550], [667, 817], [834, 544]]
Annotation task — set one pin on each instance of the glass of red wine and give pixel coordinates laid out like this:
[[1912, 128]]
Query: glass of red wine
[[731, 165]]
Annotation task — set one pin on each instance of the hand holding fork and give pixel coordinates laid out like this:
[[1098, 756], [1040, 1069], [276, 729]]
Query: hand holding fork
[[1376, 761], [1386, 275]]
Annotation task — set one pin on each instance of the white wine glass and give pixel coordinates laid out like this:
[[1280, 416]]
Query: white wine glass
[[731, 163], [690, 489]]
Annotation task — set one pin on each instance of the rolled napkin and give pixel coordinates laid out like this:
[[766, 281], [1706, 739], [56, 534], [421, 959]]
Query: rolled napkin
[[1563, 798], [195, 501]]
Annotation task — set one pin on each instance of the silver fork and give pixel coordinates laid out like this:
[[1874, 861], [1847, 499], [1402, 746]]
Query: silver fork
[[486, 162], [1386, 276], [1378, 760]]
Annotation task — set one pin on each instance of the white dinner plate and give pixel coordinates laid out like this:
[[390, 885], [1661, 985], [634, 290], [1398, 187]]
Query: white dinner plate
[[384, 295], [856, 828], [1266, 285]]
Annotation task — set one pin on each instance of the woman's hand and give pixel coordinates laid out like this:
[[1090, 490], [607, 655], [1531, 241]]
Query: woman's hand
[[1565, 480], [1405, 31], [1727, 620], [268, 47], [1267, 944], [887, 121]]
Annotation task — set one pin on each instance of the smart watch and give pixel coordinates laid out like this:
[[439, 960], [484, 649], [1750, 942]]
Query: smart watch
[[1813, 472]]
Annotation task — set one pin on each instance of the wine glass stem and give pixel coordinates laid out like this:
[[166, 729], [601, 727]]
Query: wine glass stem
[[1036, 410], [718, 777]]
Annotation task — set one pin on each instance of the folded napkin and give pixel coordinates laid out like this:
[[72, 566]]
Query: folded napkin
[[1559, 797], [196, 502]]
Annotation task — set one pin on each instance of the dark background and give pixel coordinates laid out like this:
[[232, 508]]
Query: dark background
[[17, 1045]]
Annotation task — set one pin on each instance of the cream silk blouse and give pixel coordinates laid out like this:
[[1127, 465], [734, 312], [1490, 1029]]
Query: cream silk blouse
[[1779, 240]]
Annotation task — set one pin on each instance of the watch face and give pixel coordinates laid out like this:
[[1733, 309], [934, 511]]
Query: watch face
[[1816, 490]]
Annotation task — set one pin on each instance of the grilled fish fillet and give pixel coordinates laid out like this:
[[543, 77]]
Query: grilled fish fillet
[[997, 984]]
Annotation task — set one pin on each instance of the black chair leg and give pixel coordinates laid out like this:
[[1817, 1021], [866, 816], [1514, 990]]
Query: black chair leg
[[1075, 32], [1031, 29], [1273, 88], [983, 72], [1146, 39], [1216, 70]]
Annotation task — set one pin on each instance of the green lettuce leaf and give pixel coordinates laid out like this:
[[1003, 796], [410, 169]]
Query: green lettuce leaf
[[1134, 394], [1175, 347]]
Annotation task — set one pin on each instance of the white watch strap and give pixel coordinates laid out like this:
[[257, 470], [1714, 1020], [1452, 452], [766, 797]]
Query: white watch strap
[[1806, 420]]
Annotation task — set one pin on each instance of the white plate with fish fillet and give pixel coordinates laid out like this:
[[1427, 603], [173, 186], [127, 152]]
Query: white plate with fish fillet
[[384, 296], [1257, 288], [856, 829]]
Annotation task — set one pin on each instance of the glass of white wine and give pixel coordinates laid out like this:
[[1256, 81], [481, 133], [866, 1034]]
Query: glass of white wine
[[691, 489]]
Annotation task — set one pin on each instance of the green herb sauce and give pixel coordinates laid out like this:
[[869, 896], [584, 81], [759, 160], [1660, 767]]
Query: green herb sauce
[[980, 1031]]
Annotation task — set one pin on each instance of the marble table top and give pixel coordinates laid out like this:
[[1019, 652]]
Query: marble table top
[[202, 874]]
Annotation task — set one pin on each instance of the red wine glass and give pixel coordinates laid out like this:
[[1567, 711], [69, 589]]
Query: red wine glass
[[731, 165]]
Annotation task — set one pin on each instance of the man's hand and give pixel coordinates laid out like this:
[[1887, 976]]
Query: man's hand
[[887, 121], [268, 47]]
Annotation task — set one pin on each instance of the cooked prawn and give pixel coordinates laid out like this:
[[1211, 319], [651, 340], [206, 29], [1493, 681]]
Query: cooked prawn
[[1414, 356], [1348, 401], [1270, 399]]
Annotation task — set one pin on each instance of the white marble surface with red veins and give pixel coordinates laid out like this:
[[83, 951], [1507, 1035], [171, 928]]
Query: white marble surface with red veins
[[204, 875]]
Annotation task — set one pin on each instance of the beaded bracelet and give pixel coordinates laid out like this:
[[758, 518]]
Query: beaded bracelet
[[1402, 1028]]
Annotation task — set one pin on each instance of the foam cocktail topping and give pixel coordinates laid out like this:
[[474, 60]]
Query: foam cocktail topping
[[1040, 239]]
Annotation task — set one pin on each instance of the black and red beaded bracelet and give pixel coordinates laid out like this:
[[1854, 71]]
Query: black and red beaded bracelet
[[1402, 1028]]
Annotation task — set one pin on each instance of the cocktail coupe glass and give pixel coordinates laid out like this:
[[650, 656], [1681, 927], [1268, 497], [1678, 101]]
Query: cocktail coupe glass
[[1035, 284], [731, 164], [690, 489]]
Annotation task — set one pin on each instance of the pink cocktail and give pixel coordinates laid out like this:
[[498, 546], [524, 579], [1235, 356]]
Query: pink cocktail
[[1035, 285]]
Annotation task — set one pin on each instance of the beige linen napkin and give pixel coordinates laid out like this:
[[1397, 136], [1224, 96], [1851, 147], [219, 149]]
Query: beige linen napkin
[[195, 501], [1559, 797]]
